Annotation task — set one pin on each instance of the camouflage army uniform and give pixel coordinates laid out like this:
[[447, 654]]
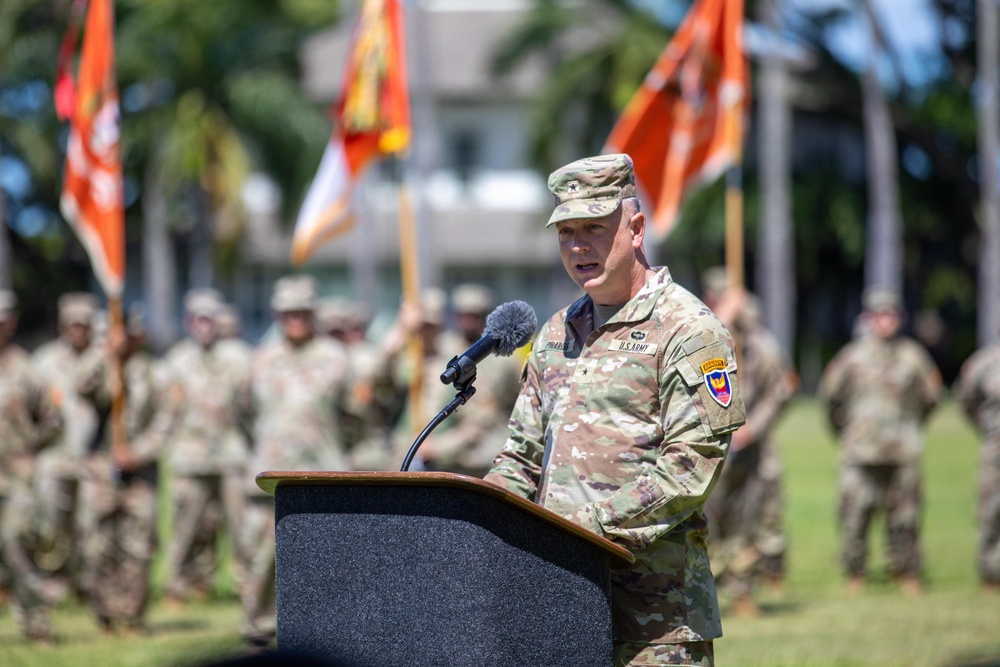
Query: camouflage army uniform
[[619, 430], [978, 392], [61, 366], [206, 455], [298, 394], [118, 514], [29, 421], [878, 395], [736, 508]]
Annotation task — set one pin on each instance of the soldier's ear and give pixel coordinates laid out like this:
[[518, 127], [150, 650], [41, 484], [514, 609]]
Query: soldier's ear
[[637, 225]]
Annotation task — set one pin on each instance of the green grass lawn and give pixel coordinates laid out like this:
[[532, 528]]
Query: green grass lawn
[[813, 622]]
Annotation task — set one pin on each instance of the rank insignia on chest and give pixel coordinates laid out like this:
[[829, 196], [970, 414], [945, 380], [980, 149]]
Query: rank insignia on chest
[[717, 381]]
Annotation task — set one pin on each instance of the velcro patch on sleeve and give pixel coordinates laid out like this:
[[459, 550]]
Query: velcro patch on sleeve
[[714, 380]]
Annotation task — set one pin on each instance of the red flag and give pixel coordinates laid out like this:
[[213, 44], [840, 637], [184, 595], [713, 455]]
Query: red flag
[[92, 179], [372, 119], [681, 126]]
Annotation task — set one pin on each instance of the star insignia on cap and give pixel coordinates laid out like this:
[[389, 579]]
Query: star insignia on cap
[[573, 186]]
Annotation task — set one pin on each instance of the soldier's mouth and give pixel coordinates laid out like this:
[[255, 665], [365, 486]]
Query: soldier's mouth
[[587, 268]]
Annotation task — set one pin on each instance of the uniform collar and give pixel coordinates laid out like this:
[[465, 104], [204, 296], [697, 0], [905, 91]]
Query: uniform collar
[[636, 309]]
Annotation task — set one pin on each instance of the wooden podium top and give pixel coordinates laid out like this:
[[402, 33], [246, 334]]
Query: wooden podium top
[[269, 481]]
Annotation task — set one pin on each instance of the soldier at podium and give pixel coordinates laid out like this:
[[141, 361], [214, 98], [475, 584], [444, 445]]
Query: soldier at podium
[[624, 418]]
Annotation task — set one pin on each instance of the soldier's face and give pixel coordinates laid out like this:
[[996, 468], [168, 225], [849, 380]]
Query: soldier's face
[[203, 329], [885, 323], [297, 325], [599, 254], [77, 335]]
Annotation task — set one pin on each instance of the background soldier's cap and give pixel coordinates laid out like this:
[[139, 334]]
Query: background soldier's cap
[[432, 303], [8, 302], [228, 320], [204, 302], [881, 298], [472, 298], [296, 292], [77, 308], [592, 187], [714, 282], [333, 313]]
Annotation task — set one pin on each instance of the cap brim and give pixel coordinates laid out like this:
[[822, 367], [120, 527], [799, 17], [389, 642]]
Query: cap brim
[[583, 208]]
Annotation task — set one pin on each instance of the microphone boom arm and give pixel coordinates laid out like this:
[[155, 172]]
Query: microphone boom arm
[[465, 392]]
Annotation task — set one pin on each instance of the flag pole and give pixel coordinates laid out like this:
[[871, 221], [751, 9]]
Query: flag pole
[[410, 270], [734, 199]]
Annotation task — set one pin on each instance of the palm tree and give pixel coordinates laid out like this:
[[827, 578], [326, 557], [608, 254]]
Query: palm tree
[[210, 92], [775, 247], [587, 87], [884, 250], [988, 110]]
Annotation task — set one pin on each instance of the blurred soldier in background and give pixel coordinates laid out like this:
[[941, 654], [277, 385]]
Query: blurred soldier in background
[[478, 430], [60, 364], [739, 534], [396, 369], [369, 426], [978, 392], [229, 324], [205, 379], [118, 485], [879, 391], [300, 391], [29, 421]]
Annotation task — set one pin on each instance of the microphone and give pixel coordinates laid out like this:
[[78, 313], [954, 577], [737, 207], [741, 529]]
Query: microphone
[[508, 327]]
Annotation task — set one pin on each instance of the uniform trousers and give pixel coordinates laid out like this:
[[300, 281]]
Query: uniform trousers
[[894, 490]]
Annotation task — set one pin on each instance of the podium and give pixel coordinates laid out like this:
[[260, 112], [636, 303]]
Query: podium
[[435, 569]]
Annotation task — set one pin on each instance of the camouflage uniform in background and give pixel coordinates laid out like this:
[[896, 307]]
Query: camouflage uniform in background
[[29, 421], [300, 389], [978, 392], [736, 510], [878, 394], [623, 427], [371, 421], [478, 429], [205, 379], [118, 513], [60, 364]]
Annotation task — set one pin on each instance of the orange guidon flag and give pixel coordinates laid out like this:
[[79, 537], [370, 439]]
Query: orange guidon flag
[[372, 118], [682, 126], [91, 198]]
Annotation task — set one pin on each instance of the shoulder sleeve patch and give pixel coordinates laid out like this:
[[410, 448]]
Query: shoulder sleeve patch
[[711, 372]]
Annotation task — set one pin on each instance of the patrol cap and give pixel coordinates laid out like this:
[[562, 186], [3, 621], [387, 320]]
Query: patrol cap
[[203, 302], [881, 299], [228, 321], [592, 187], [472, 298], [432, 303], [77, 308], [8, 302], [295, 292], [714, 281], [333, 313]]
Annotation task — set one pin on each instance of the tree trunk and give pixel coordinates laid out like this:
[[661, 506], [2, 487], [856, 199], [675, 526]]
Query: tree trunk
[[159, 267], [988, 116], [884, 248], [201, 241], [775, 246], [6, 270]]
